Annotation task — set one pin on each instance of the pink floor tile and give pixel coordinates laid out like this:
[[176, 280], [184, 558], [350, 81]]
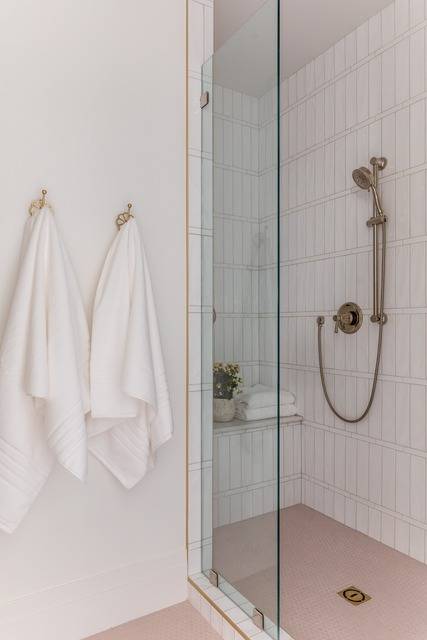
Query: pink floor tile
[[181, 622], [319, 558]]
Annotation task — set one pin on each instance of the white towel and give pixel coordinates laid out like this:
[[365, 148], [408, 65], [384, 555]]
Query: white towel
[[44, 362], [262, 396], [263, 413], [131, 413]]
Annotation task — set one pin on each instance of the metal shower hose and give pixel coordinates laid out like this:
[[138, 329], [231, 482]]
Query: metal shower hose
[[379, 344]]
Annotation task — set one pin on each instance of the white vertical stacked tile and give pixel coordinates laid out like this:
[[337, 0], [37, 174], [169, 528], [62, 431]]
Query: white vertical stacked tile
[[365, 96], [268, 199], [236, 230], [244, 474]]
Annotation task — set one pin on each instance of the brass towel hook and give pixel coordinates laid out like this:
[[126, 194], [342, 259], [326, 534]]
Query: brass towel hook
[[124, 217], [38, 204]]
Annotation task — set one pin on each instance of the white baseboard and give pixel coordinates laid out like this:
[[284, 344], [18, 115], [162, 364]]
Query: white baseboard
[[76, 610]]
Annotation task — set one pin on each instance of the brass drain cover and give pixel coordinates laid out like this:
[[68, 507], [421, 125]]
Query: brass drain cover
[[354, 595]]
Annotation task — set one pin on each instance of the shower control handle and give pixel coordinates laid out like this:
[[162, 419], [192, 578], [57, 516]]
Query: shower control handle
[[342, 318], [335, 319], [349, 318]]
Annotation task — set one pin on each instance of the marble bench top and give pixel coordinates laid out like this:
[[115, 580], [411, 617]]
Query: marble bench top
[[245, 425]]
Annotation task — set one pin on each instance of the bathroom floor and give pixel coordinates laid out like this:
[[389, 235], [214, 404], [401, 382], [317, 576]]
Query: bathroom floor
[[181, 622], [319, 558]]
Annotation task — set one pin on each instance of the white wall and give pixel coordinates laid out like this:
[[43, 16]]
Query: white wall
[[365, 96], [92, 107]]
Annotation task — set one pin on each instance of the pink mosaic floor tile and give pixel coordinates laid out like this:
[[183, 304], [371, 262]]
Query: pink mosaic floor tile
[[319, 558], [181, 622]]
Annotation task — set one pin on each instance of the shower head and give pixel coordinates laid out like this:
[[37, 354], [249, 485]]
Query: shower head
[[363, 178]]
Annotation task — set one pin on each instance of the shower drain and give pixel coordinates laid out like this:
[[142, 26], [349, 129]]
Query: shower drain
[[354, 595]]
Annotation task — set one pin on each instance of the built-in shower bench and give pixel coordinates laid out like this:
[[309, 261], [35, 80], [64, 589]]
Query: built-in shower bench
[[245, 467]]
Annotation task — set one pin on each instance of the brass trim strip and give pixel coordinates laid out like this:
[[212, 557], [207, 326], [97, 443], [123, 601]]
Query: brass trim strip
[[219, 610], [186, 240]]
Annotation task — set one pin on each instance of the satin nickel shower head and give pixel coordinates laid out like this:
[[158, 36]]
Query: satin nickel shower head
[[363, 177]]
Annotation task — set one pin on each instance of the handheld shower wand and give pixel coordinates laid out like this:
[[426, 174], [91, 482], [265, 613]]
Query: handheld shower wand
[[364, 178]]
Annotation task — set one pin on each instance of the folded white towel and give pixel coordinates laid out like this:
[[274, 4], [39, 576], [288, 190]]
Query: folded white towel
[[44, 358], [262, 396], [131, 413], [263, 413]]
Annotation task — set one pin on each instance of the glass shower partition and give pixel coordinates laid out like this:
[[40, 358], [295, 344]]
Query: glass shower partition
[[240, 317]]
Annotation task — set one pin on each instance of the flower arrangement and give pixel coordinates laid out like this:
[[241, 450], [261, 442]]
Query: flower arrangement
[[227, 380]]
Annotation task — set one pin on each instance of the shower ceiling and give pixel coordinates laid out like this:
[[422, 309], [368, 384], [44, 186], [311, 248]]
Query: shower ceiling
[[309, 27]]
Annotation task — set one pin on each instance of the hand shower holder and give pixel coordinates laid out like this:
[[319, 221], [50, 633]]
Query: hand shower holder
[[380, 163], [376, 220]]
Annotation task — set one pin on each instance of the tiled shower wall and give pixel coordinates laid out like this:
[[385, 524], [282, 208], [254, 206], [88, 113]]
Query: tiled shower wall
[[365, 96], [244, 477], [245, 298], [269, 240], [236, 230]]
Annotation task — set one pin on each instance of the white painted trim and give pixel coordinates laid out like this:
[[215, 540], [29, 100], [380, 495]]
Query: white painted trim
[[87, 606]]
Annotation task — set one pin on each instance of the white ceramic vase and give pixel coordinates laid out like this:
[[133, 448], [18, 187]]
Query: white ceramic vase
[[223, 409]]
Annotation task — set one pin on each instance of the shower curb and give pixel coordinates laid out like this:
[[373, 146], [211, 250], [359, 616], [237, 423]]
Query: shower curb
[[224, 616]]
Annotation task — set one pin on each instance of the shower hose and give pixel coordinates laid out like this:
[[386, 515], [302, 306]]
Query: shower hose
[[379, 344]]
